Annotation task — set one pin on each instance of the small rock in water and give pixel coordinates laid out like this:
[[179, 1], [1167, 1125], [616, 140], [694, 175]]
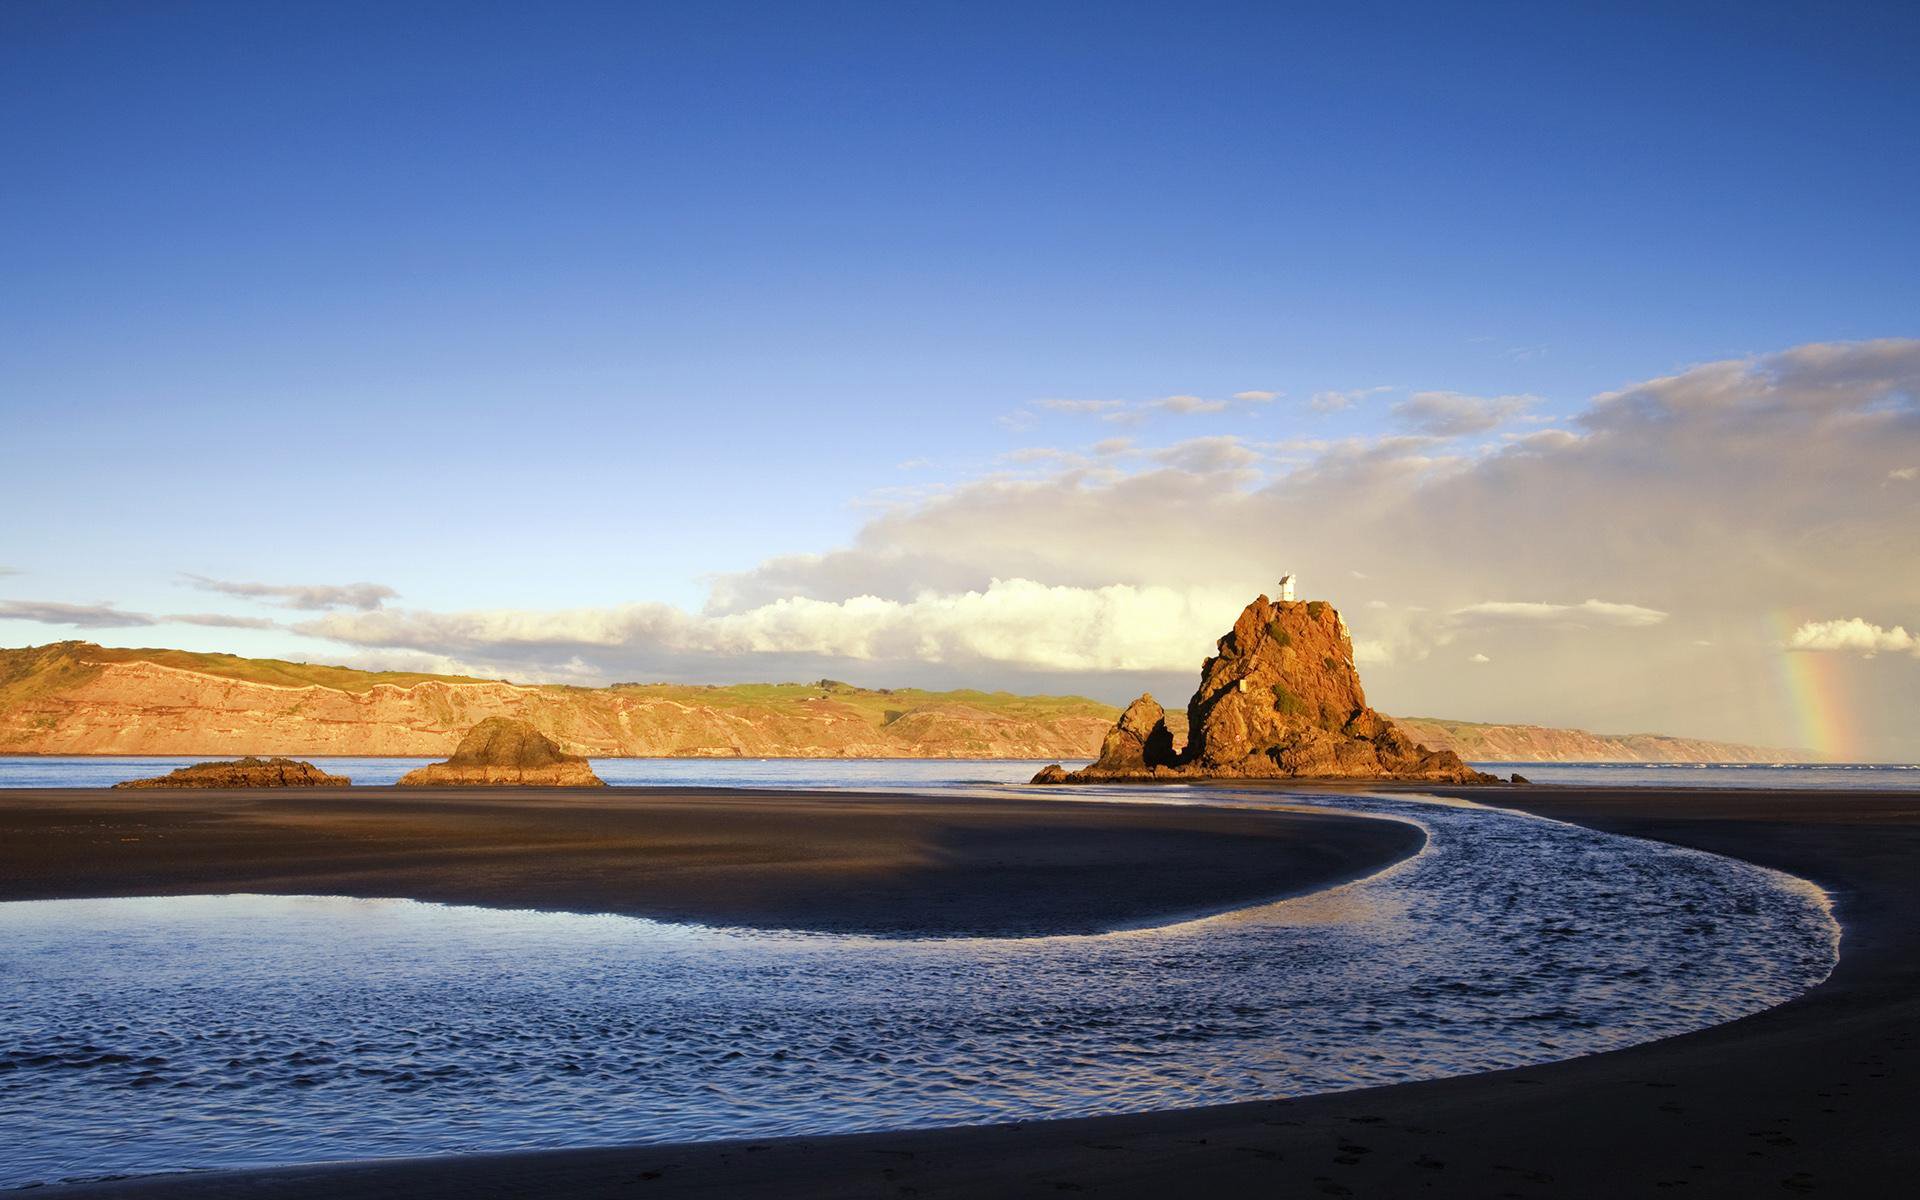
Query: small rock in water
[[243, 773]]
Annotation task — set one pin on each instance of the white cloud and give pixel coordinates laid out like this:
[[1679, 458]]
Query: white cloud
[[1207, 455], [1453, 414], [219, 621], [307, 596], [1012, 621], [1335, 401], [1372, 652], [1541, 440], [1599, 612], [1257, 397], [1188, 404], [1040, 454], [107, 615], [1479, 658], [1904, 474], [1853, 634], [1108, 447], [80, 616], [573, 670], [1720, 492]]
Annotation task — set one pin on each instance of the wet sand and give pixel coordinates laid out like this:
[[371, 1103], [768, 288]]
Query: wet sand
[[1817, 1097], [867, 864]]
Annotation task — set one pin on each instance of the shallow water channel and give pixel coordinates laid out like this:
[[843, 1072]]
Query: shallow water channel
[[193, 1032]]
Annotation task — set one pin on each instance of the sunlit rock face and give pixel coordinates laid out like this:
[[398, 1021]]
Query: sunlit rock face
[[243, 773], [1281, 700], [502, 751]]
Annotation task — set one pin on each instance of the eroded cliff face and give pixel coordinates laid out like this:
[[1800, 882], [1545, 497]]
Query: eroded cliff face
[[1280, 700], [1483, 742], [79, 698], [76, 698]]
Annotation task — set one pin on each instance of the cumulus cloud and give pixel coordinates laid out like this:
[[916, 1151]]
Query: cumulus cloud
[[81, 616], [1257, 396], [573, 670], [1454, 414], [1600, 553], [1716, 494], [1479, 658], [1904, 474], [1208, 455], [305, 596], [1013, 621], [1853, 634], [1188, 404]]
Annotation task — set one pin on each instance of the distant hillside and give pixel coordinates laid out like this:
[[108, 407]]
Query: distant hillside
[[1532, 743], [79, 698]]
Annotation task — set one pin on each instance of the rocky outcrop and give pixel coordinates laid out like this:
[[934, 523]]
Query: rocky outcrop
[[1281, 700], [1139, 743], [507, 753], [243, 773]]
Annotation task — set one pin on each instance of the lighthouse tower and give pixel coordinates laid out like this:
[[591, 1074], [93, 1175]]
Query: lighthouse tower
[[1286, 588]]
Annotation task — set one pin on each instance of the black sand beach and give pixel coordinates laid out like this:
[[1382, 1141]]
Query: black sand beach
[[774, 860], [1816, 1097]]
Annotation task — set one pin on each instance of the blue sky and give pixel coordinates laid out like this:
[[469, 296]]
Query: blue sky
[[554, 307]]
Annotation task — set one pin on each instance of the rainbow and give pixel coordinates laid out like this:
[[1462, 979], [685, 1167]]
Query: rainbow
[[1816, 695]]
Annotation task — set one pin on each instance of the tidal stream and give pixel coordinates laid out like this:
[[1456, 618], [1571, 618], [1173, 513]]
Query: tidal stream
[[144, 1035]]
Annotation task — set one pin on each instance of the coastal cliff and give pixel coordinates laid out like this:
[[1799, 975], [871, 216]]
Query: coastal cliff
[[80, 698], [1481, 742], [1281, 700]]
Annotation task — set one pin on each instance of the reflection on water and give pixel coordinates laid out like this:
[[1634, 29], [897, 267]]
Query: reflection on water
[[219, 1031]]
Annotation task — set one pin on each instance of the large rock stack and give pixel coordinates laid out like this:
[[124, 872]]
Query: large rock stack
[[502, 752], [1281, 700]]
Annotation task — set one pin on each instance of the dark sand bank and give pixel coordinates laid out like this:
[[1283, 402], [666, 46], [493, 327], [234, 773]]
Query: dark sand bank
[[888, 865], [1818, 1097]]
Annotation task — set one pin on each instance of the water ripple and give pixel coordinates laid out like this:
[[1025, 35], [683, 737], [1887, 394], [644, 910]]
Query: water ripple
[[153, 1034]]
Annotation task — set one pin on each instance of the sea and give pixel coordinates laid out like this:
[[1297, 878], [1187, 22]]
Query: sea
[[944, 774]]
